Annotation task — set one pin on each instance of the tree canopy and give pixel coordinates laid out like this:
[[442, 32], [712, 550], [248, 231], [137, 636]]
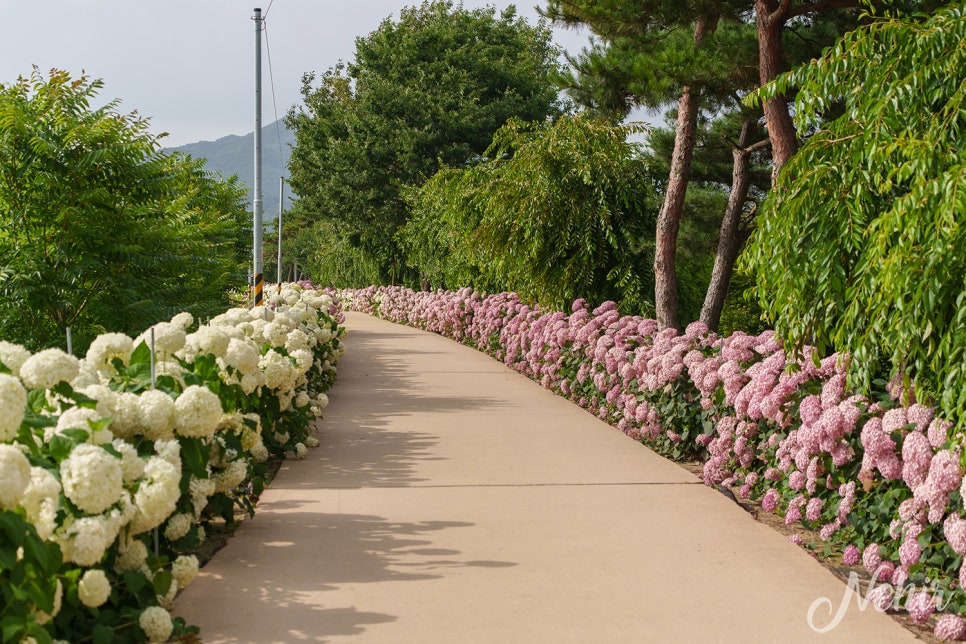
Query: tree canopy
[[556, 212], [102, 232], [422, 93], [860, 248]]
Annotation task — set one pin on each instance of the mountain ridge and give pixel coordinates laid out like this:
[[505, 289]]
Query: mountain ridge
[[234, 155]]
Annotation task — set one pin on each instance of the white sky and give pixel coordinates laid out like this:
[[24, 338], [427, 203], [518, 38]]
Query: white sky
[[188, 64]]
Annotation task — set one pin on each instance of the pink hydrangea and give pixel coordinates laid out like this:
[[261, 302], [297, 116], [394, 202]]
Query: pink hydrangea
[[882, 597], [938, 432], [900, 576], [850, 556], [796, 539], [916, 456], [954, 529], [910, 551], [920, 607], [871, 558], [813, 510], [950, 627], [885, 570], [770, 501]]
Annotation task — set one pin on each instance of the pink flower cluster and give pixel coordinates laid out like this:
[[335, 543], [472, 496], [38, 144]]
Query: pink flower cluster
[[781, 428]]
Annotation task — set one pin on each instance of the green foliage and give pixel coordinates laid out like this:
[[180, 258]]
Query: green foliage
[[861, 247], [101, 232], [423, 93], [558, 212], [28, 569]]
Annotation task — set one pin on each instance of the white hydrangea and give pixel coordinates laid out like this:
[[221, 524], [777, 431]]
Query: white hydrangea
[[14, 476], [169, 368], [300, 451], [177, 526], [169, 338], [251, 382], [232, 317], [132, 466], [259, 453], [207, 339], [13, 406], [132, 553], [42, 617], [198, 411], [40, 501], [303, 360], [184, 570], [121, 408], [80, 418], [106, 399], [108, 346], [87, 375], [45, 369], [276, 333], [157, 496], [93, 589], [231, 477], [282, 438], [156, 623], [167, 600], [13, 356], [323, 401], [262, 313], [285, 400], [156, 415], [311, 441], [302, 399], [92, 478], [200, 490], [257, 333], [279, 372], [85, 540], [242, 355], [298, 339], [183, 320], [169, 450]]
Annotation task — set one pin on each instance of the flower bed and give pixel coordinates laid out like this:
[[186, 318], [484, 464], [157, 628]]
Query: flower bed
[[876, 473], [112, 466]]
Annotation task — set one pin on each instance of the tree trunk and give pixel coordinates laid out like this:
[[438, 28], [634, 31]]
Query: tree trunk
[[770, 17], [669, 219], [728, 240]]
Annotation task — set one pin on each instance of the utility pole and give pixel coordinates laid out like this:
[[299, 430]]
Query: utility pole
[[257, 200], [281, 200]]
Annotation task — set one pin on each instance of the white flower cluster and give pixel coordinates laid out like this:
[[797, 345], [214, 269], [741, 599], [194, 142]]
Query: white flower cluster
[[13, 404], [92, 478], [115, 493]]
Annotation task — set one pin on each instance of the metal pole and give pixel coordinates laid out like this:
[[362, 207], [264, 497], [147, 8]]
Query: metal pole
[[257, 251], [281, 199]]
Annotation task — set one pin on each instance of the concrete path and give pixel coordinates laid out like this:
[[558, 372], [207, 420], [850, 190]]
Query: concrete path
[[453, 500]]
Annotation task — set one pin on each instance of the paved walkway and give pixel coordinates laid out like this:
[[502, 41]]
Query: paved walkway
[[455, 501]]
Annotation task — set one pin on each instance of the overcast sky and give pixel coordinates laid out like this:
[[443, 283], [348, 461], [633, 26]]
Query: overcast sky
[[188, 64]]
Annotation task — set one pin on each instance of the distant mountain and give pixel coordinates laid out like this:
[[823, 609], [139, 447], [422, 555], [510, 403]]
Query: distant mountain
[[235, 155]]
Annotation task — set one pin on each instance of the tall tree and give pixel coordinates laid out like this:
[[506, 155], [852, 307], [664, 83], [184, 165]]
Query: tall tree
[[861, 248], [100, 231], [653, 51], [558, 212], [426, 91], [753, 41]]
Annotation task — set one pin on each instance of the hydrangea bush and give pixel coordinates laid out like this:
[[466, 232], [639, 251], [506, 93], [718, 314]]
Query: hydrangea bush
[[877, 473], [112, 465]]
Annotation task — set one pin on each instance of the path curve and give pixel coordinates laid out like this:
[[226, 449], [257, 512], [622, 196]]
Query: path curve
[[455, 501]]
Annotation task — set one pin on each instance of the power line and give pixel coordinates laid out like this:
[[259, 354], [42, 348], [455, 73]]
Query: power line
[[271, 79]]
